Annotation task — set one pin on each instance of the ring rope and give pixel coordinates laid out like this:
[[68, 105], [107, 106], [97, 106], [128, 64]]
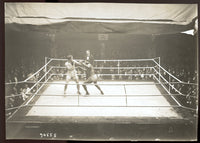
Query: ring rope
[[39, 80], [38, 71], [128, 60], [37, 91], [24, 81], [103, 60], [16, 82], [102, 106], [80, 59], [51, 59], [168, 82], [38, 105], [107, 95], [24, 103], [167, 72], [78, 96], [108, 75], [124, 60], [190, 108], [34, 105], [108, 67], [111, 95], [10, 83], [155, 83], [168, 92], [50, 76]]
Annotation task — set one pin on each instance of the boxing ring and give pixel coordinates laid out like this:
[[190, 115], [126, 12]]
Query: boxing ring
[[133, 94]]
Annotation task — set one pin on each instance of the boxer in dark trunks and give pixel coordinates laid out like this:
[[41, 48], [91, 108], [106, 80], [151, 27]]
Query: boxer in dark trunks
[[91, 77]]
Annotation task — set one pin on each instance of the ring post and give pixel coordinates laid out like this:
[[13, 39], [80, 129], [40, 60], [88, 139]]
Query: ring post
[[159, 67], [118, 66], [132, 74], [169, 83], [45, 69], [125, 94], [78, 99]]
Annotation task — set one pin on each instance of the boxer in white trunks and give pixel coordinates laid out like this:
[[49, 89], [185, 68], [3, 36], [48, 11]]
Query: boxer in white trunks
[[71, 73]]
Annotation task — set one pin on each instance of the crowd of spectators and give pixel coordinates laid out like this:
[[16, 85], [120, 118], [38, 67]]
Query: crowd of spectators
[[124, 70], [16, 91], [188, 88]]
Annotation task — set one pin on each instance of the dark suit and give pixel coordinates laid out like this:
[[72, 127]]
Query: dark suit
[[90, 59]]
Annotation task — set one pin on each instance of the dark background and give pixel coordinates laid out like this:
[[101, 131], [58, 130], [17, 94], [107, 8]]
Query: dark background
[[174, 49]]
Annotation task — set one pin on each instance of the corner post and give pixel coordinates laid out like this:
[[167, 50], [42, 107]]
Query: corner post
[[45, 68], [159, 67]]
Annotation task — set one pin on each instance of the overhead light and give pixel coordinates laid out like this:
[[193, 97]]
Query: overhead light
[[189, 32]]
